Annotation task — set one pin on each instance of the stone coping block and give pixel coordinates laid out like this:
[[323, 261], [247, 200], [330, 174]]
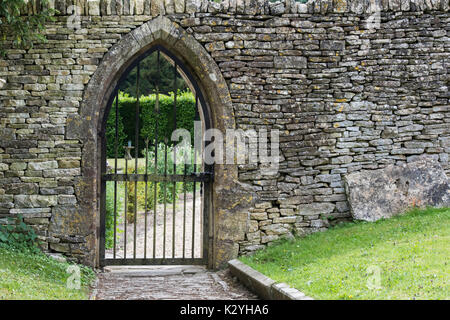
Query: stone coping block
[[265, 287], [257, 7]]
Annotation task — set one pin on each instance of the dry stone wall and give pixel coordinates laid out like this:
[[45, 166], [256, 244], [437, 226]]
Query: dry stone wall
[[346, 92]]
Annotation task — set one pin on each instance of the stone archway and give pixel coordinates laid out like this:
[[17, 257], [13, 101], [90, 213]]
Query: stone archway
[[230, 198]]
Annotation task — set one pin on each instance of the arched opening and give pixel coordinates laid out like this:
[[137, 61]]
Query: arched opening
[[155, 190], [230, 199]]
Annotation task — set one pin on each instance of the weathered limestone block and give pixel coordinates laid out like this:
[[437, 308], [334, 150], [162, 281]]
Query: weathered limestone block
[[240, 6], [68, 164], [60, 247], [43, 165], [94, 7], [62, 172], [17, 166], [263, 205], [33, 212], [214, 7], [340, 6], [435, 4], [157, 7], [68, 220], [332, 45], [119, 7], [6, 201], [131, 5], [386, 192], [258, 215], [179, 6], [288, 62], [275, 229], [139, 6], [292, 219], [428, 5], [169, 6], [315, 209], [193, 6], [325, 6], [405, 5], [22, 188], [269, 238], [277, 8], [232, 6], [319, 223], [204, 5], [67, 199], [34, 201], [250, 7], [301, 7], [356, 6]]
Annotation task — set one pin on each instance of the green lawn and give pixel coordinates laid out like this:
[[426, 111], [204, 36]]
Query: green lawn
[[26, 276], [409, 254], [131, 163]]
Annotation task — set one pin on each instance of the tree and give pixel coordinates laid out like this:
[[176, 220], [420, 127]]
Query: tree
[[23, 30], [149, 77]]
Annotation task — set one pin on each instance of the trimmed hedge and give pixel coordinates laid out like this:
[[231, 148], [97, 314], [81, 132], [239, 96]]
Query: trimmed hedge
[[185, 116], [111, 134]]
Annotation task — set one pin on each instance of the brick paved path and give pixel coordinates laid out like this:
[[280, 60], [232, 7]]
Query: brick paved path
[[168, 282]]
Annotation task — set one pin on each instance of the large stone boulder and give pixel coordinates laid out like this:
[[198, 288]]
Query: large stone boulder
[[383, 193]]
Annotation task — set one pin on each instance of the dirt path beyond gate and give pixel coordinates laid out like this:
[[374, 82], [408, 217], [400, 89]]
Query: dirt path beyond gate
[[168, 283]]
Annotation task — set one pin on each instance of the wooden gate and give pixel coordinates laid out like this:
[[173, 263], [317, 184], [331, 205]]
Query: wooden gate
[[153, 210]]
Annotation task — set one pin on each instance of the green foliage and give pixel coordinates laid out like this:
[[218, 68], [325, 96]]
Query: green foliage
[[130, 199], [31, 275], [150, 78], [111, 134], [149, 118], [27, 273], [138, 190], [165, 119], [141, 193], [23, 30], [109, 219], [410, 250], [18, 234], [167, 190]]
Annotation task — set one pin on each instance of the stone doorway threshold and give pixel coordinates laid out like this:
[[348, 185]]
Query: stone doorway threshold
[[168, 283]]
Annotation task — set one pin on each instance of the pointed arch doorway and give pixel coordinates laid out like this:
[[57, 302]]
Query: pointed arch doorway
[[230, 199], [155, 193]]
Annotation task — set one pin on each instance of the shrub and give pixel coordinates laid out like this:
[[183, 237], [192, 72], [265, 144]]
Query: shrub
[[111, 134], [140, 195], [23, 30], [18, 234], [109, 219], [168, 187], [185, 115], [148, 118]]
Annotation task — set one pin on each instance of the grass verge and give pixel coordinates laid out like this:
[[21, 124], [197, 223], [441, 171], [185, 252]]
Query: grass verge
[[405, 257], [30, 275]]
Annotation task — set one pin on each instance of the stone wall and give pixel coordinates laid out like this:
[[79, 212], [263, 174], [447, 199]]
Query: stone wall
[[346, 94]]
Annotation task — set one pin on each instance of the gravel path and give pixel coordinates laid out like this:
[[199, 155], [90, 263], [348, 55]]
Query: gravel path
[[168, 283]]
